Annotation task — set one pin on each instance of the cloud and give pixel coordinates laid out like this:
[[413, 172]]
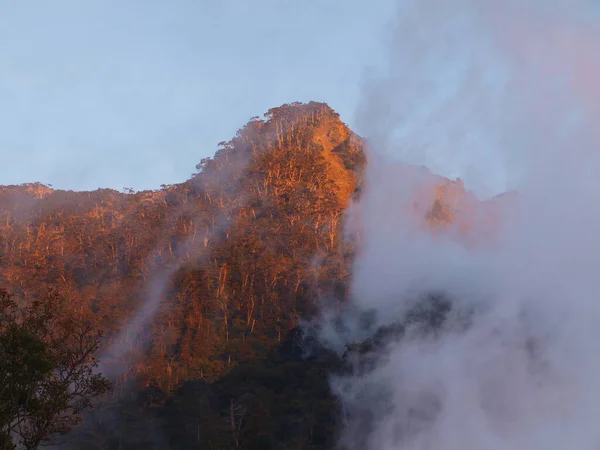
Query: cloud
[[503, 95]]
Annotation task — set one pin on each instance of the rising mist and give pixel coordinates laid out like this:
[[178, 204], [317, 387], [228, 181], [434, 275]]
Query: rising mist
[[502, 94]]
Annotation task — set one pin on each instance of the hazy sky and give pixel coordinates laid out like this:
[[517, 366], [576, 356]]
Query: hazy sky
[[107, 93]]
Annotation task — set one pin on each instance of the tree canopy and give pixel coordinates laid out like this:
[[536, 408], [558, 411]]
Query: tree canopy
[[215, 272], [47, 371]]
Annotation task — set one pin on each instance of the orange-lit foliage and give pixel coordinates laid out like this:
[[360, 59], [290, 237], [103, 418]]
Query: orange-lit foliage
[[245, 246]]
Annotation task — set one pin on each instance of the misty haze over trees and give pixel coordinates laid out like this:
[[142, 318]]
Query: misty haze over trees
[[207, 293], [310, 289]]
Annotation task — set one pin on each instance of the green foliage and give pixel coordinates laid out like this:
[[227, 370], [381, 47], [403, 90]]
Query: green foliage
[[46, 372]]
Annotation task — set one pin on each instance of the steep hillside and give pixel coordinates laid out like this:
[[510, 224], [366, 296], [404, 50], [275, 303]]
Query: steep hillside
[[197, 278], [235, 253]]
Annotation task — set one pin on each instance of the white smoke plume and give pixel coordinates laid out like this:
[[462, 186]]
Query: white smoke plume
[[120, 357], [504, 94]]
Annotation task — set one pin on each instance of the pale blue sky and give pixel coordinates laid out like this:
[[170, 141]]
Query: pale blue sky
[[107, 93]]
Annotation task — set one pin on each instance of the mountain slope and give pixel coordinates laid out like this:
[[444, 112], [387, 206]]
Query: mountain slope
[[197, 278], [237, 243]]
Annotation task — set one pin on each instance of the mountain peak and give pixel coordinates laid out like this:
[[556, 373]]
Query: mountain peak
[[193, 280]]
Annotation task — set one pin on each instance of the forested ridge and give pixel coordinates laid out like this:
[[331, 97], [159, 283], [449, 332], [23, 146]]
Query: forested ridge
[[198, 287]]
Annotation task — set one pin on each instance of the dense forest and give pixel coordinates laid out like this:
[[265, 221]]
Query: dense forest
[[197, 291]]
